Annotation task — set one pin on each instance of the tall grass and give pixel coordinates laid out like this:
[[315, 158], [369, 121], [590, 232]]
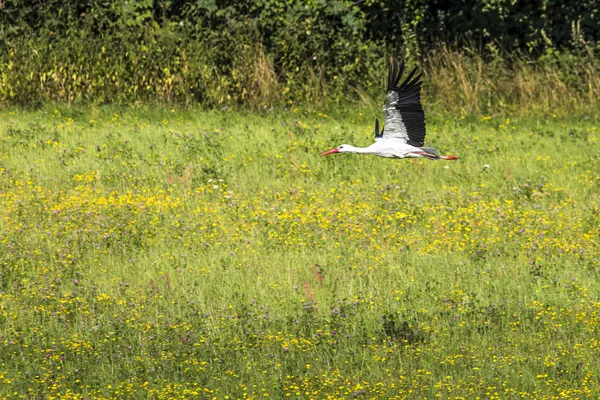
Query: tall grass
[[466, 80]]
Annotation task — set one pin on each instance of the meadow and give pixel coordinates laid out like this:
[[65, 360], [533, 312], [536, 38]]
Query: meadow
[[166, 253]]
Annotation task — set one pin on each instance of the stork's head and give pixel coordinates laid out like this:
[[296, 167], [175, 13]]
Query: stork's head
[[344, 148]]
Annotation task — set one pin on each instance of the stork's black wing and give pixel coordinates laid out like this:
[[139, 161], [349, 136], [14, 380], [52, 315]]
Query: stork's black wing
[[403, 113]]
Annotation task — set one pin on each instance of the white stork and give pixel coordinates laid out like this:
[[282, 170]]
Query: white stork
[[404, 131]]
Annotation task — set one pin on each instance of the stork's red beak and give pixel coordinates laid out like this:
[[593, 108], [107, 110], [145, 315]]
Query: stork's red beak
[[332, 151]]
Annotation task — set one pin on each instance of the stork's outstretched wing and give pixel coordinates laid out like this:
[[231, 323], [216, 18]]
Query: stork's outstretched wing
[[403, 113]]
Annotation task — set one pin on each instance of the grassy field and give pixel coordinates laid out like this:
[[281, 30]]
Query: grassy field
[[164, 254]]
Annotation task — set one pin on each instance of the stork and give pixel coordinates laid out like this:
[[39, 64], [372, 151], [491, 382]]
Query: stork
[[403, 133]]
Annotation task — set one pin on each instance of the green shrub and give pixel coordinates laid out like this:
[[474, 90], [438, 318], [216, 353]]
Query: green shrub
[[266, 52]]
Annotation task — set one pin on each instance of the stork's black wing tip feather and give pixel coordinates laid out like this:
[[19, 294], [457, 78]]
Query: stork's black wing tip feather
[[395, 72], [377, 133], [392, 72]]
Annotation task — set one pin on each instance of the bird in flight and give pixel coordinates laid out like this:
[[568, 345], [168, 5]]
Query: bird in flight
[[403, 133]]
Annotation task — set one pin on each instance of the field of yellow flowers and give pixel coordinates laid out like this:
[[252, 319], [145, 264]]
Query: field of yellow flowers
[[180, 254]]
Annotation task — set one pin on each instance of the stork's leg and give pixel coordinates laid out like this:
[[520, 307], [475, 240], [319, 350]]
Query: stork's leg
[[433, 156]]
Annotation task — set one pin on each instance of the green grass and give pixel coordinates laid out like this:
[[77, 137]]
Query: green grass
[[164, 253]]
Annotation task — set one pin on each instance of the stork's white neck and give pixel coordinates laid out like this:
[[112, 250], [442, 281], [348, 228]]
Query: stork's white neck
[[352, 149]]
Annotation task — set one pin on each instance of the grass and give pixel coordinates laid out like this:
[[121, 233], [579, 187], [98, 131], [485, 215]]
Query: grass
[[164, 253]]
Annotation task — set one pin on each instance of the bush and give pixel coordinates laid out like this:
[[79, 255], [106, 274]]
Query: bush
[[263, 52]]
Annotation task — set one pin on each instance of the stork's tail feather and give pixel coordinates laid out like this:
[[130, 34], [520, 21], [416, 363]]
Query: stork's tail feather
[[430, 150], [432, 154]]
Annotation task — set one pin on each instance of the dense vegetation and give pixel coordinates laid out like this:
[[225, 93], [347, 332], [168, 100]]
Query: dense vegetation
[[168, 254], [484, 54]]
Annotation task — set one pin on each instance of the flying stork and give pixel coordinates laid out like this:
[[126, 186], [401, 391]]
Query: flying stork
[[404, 131]]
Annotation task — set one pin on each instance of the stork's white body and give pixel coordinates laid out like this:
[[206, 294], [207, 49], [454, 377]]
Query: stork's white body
[[390, 148]]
